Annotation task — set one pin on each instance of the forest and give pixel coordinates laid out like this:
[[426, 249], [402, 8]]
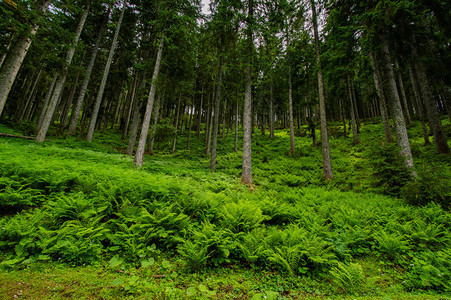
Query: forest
[[225, 149]]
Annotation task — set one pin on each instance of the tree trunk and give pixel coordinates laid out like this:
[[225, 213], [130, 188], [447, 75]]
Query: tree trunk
[[271, 109], [224, 114], [15, 57], [177, 119], [403, 94], [98, 101], [78, 105], [199, 120], [139, 156], [356, 108], [29, 102], [382, 100], [237, 114], [135, 126], [246, 176], [290, 107], [155, 122], [130, 108], [69, 102], [431, 110], [343, 118], [419, 105], [391, 90], [191, 117], [327, 165], [352, 110], [59, 85], [216, 117]]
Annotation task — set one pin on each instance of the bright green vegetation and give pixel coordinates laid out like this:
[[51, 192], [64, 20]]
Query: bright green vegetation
[[79, 220]]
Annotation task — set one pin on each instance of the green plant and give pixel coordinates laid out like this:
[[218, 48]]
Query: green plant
[[349, 277]]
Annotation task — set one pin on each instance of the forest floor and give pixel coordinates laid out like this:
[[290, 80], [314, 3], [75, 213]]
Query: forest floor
[[78, 220]]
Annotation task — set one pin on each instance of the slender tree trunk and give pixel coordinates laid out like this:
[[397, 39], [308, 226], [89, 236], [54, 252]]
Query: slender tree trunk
[[15, 57], [290, 107], [117, 109], [210, 127], [46, 101], [59, 85], [343, 118], [419, 103], [191, 117], [79, 104], [271, 109], [139, 156], [431, 110], [155, 122], [135, 126], [352, 110], [29, 102], [177, 119], [246, 176], [402, 138], [327, 165], [208, 121], [237, 114], [199, 120], [403, 94], [224, 114], [130, 108], [216, 117], [382, 100], [69, 102], [356, 108], [106, 72]]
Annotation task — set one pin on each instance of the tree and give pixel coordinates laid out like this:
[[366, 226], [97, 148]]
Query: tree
[[327, 164], [59, 85], [10, 67]]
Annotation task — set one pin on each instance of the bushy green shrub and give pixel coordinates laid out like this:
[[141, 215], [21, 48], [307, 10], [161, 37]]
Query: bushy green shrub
[[389, 171], [428, 187]]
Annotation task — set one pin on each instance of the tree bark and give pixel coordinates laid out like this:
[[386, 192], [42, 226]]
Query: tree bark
[[130, 108], [290, 107], [355, 135], [59, 85], [382, 100], [246, 176], [15, 58], [403, 94], [30, 95], [216, 117], [139, 156], [431, 110], [327, 165], [79, 104], [237, 114], [271, 109], [135, 126], [98, 101], [391, 90], [419, 105], [155, 122], [177, 119]]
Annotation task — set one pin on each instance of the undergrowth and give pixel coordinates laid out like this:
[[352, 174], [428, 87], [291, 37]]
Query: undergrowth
[[64, 202]]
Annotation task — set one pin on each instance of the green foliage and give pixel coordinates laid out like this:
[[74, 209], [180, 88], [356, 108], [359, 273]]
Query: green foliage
[[349, 277], [85, 206], [389, 171], [429, 187]]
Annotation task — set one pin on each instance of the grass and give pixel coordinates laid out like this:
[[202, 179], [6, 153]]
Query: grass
[[79, 220]]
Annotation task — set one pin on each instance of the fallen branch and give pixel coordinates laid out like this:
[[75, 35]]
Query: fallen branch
[[18, 136]]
